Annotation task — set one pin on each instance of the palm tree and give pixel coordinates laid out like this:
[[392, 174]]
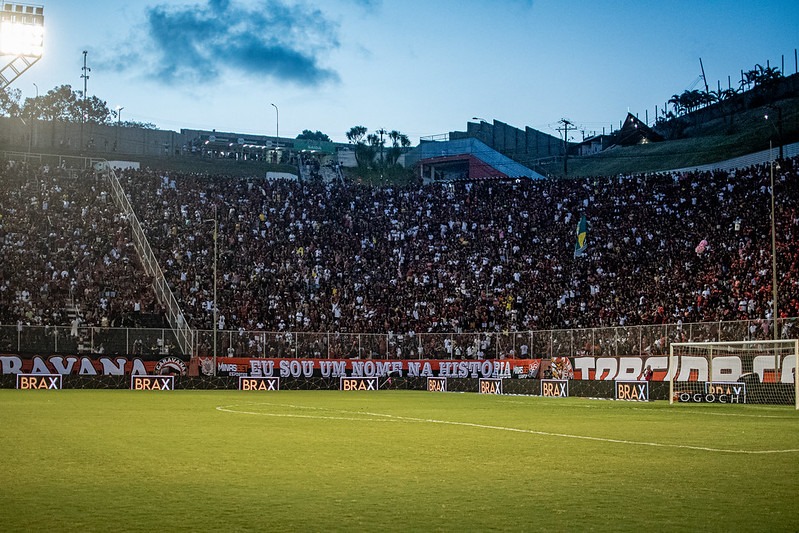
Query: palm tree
[[693, 99], [677, 104], [355, 135], [375, 143], [394, 135], [767, 75], [748, 79], [760, 75], [368, 145], [399, 143]]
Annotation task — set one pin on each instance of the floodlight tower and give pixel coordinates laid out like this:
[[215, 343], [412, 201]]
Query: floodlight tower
[[21, 38]]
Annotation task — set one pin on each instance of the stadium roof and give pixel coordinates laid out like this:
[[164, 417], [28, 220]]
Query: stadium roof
[[470, 147]]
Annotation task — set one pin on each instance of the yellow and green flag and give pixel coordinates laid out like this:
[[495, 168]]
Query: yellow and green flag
[[582, 237]]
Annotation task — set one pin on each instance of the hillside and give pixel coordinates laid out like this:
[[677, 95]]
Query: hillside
[[715, 140]]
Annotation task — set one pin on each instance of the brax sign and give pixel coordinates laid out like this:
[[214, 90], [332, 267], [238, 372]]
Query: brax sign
[[490, 386], [556, 388], [359, 383], [437, 384], [152, 383], [637, 391], [259, 383], [39, 381]]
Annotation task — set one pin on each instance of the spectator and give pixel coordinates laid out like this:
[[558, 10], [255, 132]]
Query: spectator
[[465, 257], [456, 258]]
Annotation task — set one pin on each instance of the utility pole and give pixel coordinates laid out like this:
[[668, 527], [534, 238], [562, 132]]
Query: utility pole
[[566, 124], [85, 77], [704, 79]]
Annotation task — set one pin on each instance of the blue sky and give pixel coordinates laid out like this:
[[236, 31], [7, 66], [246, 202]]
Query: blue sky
[[420, 67]]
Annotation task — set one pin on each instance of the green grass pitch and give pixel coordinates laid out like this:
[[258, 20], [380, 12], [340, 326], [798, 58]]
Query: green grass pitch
[[78, 460]]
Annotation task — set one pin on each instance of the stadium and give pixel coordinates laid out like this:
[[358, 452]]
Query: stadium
[[494, 329]]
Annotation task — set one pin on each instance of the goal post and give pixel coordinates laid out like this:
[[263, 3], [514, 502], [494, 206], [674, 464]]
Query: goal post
[[734, 372]]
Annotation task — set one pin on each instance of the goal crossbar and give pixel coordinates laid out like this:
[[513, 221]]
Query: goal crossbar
[[756, 371]]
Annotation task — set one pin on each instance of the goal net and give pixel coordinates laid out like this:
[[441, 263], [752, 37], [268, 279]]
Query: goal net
[[734, 372]]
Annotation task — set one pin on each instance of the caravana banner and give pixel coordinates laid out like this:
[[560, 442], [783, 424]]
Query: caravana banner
[[110, 365]]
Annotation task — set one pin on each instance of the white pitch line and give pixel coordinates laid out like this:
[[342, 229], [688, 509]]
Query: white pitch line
[[388, 418], [286, 415], [677, 410], [743, 415]]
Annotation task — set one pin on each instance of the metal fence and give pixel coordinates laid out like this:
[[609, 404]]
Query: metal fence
[[596, 342], [45, 340]]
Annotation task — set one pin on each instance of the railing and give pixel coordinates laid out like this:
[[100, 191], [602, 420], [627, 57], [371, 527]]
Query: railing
[[44, 340], [596, 342], [184, 334], [437, 137], [66, 162]]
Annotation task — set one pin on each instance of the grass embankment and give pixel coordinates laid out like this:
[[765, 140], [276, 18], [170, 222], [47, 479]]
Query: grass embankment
[[717, 140]]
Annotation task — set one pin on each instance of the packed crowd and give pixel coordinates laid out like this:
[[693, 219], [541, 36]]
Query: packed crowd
[[458, 257], [465, 257], [67, 258]]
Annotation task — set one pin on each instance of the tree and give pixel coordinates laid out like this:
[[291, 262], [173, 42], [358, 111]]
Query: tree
[[9, 102], [706, 98], [60, 103], [765, 75], [137, 124], [381, 144], [693, 99], [748, 80], [356, 136], [32, 108], [676, 102], [760, 76], [317, 135], [95, 110], [64, 104], [399, 143], [373, 144], [723, 95], [367, 145], [376, 144]]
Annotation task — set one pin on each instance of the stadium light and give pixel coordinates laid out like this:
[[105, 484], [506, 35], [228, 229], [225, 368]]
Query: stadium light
[[21, 30], [21, 36]]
